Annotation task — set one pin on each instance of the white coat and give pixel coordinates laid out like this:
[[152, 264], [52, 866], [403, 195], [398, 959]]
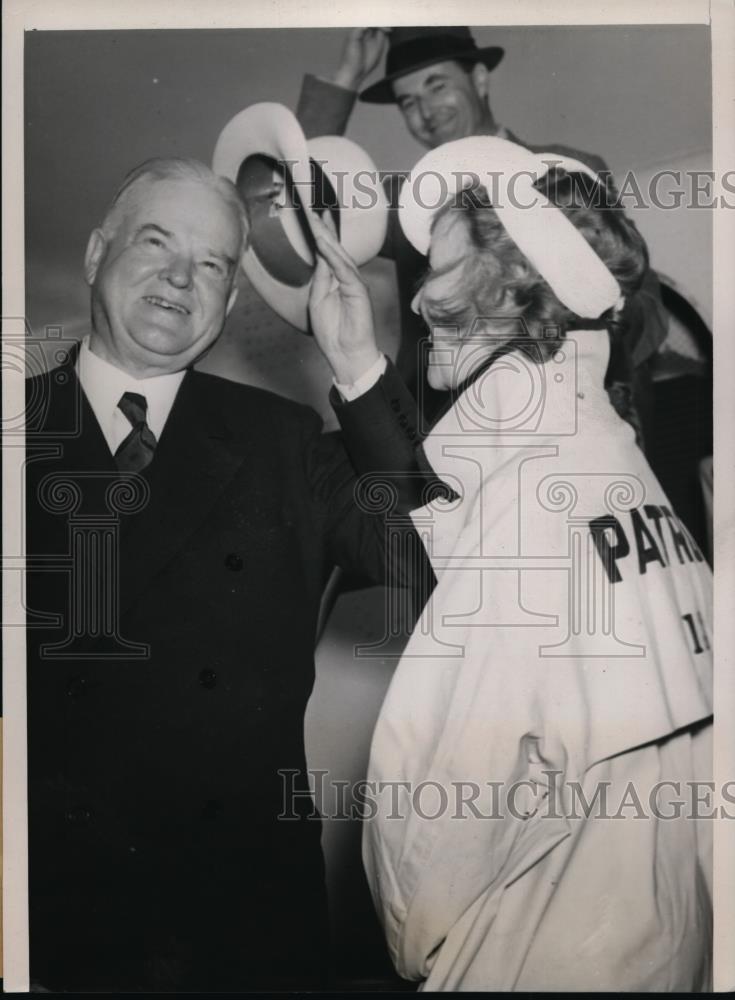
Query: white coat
[[565, 654]]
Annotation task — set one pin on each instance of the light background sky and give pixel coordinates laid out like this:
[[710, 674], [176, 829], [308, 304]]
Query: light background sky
[[98, 102]]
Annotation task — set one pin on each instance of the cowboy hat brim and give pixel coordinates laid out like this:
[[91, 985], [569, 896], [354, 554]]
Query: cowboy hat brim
[[382, 91]]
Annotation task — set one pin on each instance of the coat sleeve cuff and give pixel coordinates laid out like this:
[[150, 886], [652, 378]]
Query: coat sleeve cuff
[[364, 383], [381, 433]]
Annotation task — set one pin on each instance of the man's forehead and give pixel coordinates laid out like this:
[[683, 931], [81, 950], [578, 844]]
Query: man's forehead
[[172, 193], [411, 82], [173, 202]]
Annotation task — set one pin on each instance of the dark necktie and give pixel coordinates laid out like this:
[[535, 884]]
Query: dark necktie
[[136, 451]]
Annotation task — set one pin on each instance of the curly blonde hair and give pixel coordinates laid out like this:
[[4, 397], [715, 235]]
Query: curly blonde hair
[[497, 282]]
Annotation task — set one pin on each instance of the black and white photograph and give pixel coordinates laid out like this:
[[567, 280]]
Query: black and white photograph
[[367, 583]]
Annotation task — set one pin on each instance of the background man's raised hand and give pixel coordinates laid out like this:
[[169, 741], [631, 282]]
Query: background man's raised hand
[[363, 50]]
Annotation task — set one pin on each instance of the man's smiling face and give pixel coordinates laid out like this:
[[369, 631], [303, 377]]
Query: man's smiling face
[[162, 281], [443, 102]]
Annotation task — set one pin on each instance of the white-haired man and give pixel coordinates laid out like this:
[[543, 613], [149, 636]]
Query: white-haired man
[[168, 680]]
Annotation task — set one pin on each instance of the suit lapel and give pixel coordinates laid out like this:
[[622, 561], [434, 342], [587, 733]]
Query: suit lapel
[[66, 420], [196, 459]]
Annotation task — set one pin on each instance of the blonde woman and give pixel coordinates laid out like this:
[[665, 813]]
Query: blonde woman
[[544, 742]]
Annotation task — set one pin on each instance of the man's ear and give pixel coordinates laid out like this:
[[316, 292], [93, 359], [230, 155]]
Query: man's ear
[[231, 301], [96, 247], [481, 80]]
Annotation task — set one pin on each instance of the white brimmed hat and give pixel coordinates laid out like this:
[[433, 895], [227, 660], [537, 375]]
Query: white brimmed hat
[[541, 231], [283, 179]]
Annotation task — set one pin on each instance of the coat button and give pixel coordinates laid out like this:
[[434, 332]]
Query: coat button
[[78, 815], [208, 679], [234, 562], [211, 809], [77, 686]]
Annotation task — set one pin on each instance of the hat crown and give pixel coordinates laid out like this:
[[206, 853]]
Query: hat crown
[[414, 48], [409, 47], [398, 36]]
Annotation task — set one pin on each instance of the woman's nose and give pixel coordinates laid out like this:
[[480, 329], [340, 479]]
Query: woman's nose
[[416, 303]]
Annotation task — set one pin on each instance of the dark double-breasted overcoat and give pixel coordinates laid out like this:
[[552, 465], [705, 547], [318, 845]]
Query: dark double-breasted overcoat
[[172, 617]]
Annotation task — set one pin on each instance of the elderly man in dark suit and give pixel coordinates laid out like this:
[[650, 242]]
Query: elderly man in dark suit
[[440, 80], [180, 529]]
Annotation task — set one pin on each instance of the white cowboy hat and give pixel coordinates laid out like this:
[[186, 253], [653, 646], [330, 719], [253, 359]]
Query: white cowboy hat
[[328, 172]]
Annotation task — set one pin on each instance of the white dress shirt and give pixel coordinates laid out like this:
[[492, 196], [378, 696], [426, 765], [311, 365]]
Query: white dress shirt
[[361, 385], [104, 385]]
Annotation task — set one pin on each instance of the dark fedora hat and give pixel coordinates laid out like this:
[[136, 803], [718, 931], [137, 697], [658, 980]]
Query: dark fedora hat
[[413, 48]]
